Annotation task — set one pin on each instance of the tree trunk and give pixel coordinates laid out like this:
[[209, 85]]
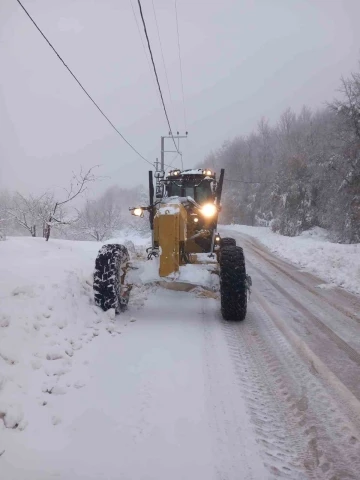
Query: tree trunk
[[48, 229]]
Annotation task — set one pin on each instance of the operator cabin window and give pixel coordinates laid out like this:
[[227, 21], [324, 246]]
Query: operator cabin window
[[189, 192], [203, 193], [174, 190]]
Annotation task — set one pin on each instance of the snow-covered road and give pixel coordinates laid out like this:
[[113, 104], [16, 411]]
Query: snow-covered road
[[168, 390], [304, 348]]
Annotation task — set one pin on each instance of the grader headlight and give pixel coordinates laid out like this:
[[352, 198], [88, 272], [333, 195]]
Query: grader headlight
[[138, 212], [208, 210]]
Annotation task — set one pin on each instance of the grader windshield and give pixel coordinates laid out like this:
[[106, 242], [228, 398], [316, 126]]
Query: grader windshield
[[194, 183]]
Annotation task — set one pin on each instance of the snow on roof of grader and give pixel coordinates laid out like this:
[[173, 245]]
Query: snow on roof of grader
[[195, 171]]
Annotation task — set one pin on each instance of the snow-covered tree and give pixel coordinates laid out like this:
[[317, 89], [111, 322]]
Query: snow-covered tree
[[301, 172]]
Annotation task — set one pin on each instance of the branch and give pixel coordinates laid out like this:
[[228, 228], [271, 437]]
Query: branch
[[20, 222], [81, 181]]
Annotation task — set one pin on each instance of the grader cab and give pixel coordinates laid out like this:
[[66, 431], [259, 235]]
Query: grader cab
[[183, 224]]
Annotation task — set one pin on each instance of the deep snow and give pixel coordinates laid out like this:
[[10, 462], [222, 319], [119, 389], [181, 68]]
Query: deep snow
[[47, 322], [337, 264]]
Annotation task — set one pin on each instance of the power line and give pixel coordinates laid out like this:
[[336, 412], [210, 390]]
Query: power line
[[162, 55], [156, 75], [165, 164], [245, 181], [143, 45], [173, 160], [181, 74], [78, 82]]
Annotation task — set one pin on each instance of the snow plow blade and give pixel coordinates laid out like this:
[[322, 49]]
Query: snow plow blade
[[182, 286]]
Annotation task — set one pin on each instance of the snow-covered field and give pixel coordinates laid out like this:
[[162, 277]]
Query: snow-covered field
[[337, 264]]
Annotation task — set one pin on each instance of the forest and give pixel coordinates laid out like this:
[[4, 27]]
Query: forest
[[302, 172]]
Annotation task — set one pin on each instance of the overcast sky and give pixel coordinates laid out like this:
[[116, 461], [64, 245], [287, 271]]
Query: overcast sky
[[241, 59]]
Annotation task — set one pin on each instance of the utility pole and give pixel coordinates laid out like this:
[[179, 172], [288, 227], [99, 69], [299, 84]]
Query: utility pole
[[160, 173], [163, 151], [162, 155]]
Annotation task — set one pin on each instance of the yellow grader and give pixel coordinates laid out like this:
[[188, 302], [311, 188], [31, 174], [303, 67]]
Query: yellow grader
[[183, 223]]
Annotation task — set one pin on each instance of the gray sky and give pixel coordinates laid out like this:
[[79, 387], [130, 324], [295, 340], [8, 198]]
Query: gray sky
[[241, 59]]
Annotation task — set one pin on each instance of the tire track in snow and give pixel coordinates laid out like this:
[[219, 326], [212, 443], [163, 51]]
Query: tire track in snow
[[306, 434], [332, 409], [234, 446], [282, 451], [326, 334], [281, 265]]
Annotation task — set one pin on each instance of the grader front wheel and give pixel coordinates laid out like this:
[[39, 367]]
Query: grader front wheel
[[109, 278], [233, 283]]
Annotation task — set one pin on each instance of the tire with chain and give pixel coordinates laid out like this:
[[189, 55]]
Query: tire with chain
[[233, 283], [107, 277], [227, 242]]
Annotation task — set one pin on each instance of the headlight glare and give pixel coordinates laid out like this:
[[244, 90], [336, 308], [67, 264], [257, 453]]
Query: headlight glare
[[138, 212], [208, 210]]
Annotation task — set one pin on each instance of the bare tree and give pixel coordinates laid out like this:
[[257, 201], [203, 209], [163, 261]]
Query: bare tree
[[78, 186], [349, 106], [100, 218], [4, 214], [24, 212]]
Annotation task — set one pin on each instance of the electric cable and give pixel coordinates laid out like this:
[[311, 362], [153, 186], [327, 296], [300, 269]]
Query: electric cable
[[143, 45], [181, 73], [173, 160], [245, 181], [81, 86], [156, 75], [163, 58]]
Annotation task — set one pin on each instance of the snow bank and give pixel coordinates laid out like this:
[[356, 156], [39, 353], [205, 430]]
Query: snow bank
[[47, 320], [130, 235], [336, 263]]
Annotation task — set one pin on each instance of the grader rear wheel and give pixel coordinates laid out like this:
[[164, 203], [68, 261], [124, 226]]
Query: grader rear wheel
[[227, 242], [233, 283]]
